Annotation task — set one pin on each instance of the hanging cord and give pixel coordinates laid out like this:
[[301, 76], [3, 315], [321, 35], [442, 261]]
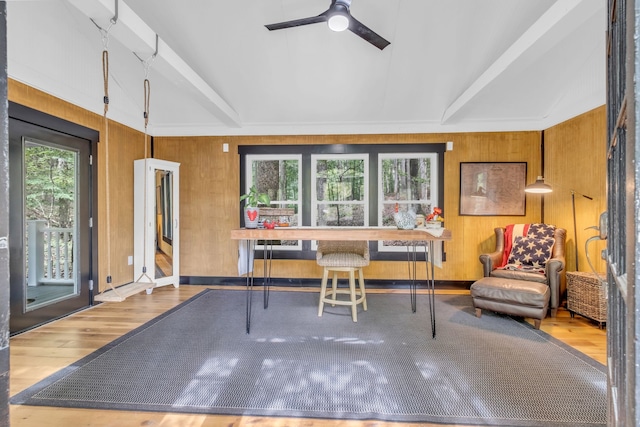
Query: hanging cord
[[105, 71], [105, 76], [146, 64], [147, 96], [105, 99]]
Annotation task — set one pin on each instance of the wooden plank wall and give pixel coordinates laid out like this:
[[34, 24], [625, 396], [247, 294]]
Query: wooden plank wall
[[576, 159], [210, 191], [125, 145], [209, 179]]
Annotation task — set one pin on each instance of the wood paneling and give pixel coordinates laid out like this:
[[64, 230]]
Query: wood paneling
[[125, 145], [209, 199], [209, 207], [575, 159]]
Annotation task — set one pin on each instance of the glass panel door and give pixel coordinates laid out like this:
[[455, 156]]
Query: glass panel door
[[50, 208], [50, 200]]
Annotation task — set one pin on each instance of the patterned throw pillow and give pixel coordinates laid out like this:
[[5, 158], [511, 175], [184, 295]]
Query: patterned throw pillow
[[535, 230], [530, 253]]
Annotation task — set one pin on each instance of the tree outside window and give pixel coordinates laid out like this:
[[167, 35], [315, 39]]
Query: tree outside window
[[279, 177], [340, 189], [408, 181]]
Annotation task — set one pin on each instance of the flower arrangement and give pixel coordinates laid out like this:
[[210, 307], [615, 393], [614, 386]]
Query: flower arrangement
[[436, 215]]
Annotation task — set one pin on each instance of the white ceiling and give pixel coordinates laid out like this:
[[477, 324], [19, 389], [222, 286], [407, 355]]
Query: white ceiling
[[452, 66]]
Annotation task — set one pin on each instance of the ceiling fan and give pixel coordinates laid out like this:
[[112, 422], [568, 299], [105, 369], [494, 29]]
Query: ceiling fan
[[338, 18]]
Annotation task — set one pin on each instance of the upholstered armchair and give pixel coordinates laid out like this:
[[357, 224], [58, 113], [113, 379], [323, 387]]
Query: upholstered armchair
[[510, 259]]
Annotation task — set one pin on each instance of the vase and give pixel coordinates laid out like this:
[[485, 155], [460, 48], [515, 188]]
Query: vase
[[405, 220], [251, 217]]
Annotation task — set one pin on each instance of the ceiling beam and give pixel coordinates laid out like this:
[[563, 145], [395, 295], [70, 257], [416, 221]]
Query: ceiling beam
[[552, 17], [136, 35]]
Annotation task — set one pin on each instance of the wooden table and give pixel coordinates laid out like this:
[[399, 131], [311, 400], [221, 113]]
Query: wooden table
[[416, 236]]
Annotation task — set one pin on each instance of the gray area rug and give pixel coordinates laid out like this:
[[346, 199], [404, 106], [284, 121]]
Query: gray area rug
[[197, 358]]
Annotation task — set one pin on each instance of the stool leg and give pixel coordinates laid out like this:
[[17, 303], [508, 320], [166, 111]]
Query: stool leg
[[362, 291], [334, 286], [323, 291], [352, 292]]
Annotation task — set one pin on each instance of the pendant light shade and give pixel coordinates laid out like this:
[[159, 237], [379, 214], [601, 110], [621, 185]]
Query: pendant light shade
[[538, 187]]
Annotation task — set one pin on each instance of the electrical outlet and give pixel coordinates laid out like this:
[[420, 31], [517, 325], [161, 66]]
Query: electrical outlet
[[225, 148], [130, 260]]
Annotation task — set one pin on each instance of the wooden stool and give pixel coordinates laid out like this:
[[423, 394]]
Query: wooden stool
[[339, 256], [356, 296]]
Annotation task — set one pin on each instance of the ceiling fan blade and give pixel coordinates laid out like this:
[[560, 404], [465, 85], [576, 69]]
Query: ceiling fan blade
[[366, 33], [298, 22]]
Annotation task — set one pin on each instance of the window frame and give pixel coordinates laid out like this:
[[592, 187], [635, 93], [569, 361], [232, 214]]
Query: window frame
[[381, 202], [373, 151], [248, 181]]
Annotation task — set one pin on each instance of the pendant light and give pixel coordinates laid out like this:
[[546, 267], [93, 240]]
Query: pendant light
[[538, 187]]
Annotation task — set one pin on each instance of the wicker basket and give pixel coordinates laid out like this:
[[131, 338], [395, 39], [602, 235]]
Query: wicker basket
[[587, 295]]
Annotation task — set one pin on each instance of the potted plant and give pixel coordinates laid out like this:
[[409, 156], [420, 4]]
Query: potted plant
[[251, 210]]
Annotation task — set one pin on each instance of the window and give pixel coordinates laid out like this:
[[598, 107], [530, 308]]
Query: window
[[408, 181], [279, 177], [339, 190], [346, 186]]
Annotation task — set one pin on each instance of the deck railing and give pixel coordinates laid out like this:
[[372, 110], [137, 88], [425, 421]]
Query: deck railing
[[50, 254]]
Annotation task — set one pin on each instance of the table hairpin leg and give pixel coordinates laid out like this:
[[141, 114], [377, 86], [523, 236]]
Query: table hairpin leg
[[411, 263], [431, 284], [430, 279], [266, 282], [250, 251]]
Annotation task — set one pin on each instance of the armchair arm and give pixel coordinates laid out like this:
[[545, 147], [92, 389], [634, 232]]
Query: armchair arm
[[555, 278], [491, 260], [555, 270]]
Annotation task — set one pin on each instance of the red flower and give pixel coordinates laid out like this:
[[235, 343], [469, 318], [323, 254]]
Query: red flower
[[436, 213]]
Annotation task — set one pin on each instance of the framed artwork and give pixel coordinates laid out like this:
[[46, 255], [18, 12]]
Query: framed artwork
[[492, 188]]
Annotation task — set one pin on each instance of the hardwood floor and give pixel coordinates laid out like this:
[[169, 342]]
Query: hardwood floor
[[43, 351], [164, 264]]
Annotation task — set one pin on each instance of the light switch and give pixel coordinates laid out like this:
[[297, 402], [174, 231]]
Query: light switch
[[225, 148]]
